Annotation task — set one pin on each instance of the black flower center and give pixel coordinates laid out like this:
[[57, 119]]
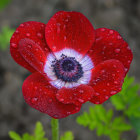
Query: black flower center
[[67, 69], [68, 65]]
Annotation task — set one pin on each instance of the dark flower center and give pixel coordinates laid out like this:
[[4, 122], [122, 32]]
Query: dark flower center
[[68, 65], [67, 69]]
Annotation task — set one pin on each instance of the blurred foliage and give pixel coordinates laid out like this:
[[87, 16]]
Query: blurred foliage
[[102, 120], [67, 136], [5, 36], [4, 3], [127, 101], [39, 134]]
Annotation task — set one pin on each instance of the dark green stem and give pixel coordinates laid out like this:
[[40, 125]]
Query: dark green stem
[[55, 129]]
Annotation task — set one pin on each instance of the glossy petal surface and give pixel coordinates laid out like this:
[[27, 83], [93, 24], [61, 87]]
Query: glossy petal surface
[[77, 95], [39, 94], [32, 53], [69, 30], [110, 45], [107, 79], [32, 30]]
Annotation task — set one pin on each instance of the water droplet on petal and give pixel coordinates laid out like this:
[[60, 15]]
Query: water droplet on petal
[[117, 50], [14, 45], [29, 46], [54, 48], [113, 92], [114, 66], [39, 35], [17, 31], [65, 38], [66, 19], [34, 100], [115, 82], [118, 37], [13, 36], [68, 113], [106, 97], [35, 88], [64, 27], [77, 108], [113, 74], [28, 34], [58, 27], [50, 100], [104, 90], [21, 25], [128, 48], [111, 32], [97, 94], [102, 29], [97, 102], [81, 91], [126, 69], [128, 61], [102, 71], [81, 100], [99, 38], [108, 84], [104, 47], [110, 43], [42, 25], [61, 99], [55, 116]]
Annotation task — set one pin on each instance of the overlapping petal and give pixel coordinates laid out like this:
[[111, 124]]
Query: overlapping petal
[[32, 30], [77, 95], [107, 79], [39, 94], [69, 30], [110, 45], [33, 54]]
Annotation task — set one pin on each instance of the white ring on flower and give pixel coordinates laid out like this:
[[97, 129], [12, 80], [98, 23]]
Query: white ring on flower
[[85, 62]]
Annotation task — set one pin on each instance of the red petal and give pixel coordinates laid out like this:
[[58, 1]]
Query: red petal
[[77, 95], [32, 53], [39, 94], [110, 45], [32, 30], [107, 79], [69, 30]]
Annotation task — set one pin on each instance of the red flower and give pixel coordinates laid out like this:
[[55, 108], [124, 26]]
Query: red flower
[[71, 63]]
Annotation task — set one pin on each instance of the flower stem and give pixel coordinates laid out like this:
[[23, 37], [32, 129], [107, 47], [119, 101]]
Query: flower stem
[[55, 129]]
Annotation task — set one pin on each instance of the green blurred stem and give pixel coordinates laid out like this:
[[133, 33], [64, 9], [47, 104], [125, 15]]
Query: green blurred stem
[[55, 129]]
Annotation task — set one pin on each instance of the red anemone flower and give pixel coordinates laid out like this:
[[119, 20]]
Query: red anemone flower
[[71, 63]]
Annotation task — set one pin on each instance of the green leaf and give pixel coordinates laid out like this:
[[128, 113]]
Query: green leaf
[[119, 125], [100, 119], [5, 36], [26, 136], [67, 136], [4, 3], [114, 135], [128, 99], [118, 102], [14, 136], [135, 124], [109, 116], [39, 132]]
